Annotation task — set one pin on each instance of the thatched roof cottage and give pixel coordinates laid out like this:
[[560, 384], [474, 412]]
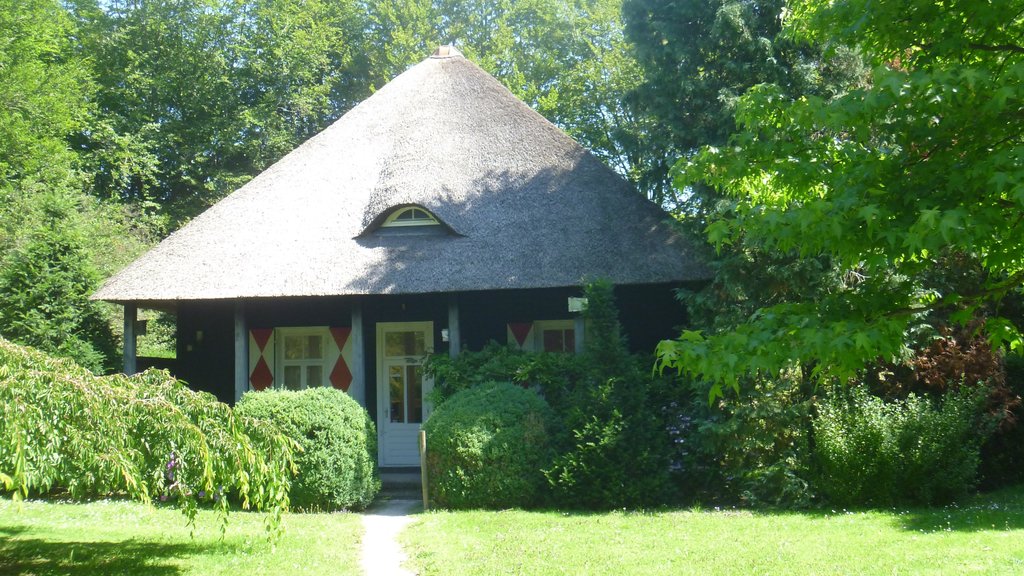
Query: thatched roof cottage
[[441, 213]]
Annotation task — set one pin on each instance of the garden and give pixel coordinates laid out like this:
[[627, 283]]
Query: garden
[[538, 463], [846, 394]]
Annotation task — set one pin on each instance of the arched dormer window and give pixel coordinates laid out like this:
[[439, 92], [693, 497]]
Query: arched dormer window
[[408, 220], [409, 216]]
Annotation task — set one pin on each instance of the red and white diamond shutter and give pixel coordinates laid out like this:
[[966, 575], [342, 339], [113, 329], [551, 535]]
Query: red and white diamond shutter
[[261, 358], [339, 358], [520, 335]]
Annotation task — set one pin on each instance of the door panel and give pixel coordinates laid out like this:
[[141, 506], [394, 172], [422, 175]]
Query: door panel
[[401, 389]]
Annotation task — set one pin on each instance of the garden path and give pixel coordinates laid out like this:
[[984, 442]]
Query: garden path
[[381, 554]]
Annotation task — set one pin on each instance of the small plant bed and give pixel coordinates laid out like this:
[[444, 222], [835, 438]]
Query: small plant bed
[[122, 538], [981, 535]]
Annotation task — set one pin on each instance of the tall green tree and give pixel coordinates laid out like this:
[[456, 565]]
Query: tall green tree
[[45, 89], [45, 285], [699, 57], [197, 97], [890, 183], [211, 92], [568, 60]]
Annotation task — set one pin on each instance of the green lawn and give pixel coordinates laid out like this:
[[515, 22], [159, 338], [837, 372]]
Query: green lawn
[[981, 536], [120, 538]]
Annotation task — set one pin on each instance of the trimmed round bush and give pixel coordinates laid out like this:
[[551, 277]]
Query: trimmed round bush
[[487, 446], [338, 462]]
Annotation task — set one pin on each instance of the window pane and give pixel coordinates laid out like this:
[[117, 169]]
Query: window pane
[[314, 376], [293, 377], [396, 387], [415, 384], [553, 341], [314, 347], [569, 339], [409, 343], [293, 349]]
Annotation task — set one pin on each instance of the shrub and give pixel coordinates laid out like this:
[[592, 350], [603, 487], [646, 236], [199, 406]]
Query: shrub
[[1002, 455], [752, 448], [551, 373], [910, 451], [616, 453], [44, 294], [62, 428], [337, 467], [486, 447], [613, 450], [959, 357]]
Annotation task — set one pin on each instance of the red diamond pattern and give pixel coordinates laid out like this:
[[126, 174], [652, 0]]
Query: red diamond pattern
[[520, 330], [261, 378], [262, 336], [341, 377], [340, 336]]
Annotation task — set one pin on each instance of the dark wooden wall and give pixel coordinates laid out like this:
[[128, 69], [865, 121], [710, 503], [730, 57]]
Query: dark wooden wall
[[648, 314]]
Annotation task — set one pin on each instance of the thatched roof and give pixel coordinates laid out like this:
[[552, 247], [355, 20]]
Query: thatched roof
[[525, 207]]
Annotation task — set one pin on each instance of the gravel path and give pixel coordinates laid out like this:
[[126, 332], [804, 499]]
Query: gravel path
[[381, 554]]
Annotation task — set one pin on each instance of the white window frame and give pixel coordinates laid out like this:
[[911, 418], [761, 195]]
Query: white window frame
[[280, 362]]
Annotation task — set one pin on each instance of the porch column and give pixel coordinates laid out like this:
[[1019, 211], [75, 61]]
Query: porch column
[[454, 337], [130, 316], [358, 367], [241, 351], [578, 329]]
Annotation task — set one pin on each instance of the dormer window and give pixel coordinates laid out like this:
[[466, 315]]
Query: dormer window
[[410, 216], [407, 220]]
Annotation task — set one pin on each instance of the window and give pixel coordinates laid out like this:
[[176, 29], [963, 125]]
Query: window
[[410, 216], [555, 336], [301, 358], [403, 351]]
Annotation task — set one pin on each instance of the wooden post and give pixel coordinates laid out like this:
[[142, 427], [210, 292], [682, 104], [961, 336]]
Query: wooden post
[[358, 366], [241, 352], [454, 338], [423, 468], [130, 317]]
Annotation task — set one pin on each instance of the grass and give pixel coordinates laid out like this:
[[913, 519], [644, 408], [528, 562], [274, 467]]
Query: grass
[[122, 538], [984, 535]]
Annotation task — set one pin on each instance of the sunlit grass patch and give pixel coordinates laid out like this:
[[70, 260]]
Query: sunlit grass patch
[[980, 536], [121, 538]]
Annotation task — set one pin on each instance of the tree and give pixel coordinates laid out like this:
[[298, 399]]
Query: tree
[[44, 292], [200, 96], [698, 58], [44, 98], [889, 182], [142, 436]]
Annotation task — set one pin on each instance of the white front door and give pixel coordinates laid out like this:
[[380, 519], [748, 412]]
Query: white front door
[[402, 389]]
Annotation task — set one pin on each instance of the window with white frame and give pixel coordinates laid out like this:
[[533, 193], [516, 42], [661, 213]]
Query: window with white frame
[[554, 336], [301, 358]]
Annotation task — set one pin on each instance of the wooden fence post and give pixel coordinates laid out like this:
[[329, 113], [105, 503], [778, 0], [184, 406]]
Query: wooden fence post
[[423, 468]]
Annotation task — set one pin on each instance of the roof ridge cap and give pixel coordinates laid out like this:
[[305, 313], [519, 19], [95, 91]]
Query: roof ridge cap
[[447, 51]]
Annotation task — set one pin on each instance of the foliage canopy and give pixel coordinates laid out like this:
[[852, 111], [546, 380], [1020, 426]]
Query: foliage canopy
[[145, 436], [918, 171], [698, 57]]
